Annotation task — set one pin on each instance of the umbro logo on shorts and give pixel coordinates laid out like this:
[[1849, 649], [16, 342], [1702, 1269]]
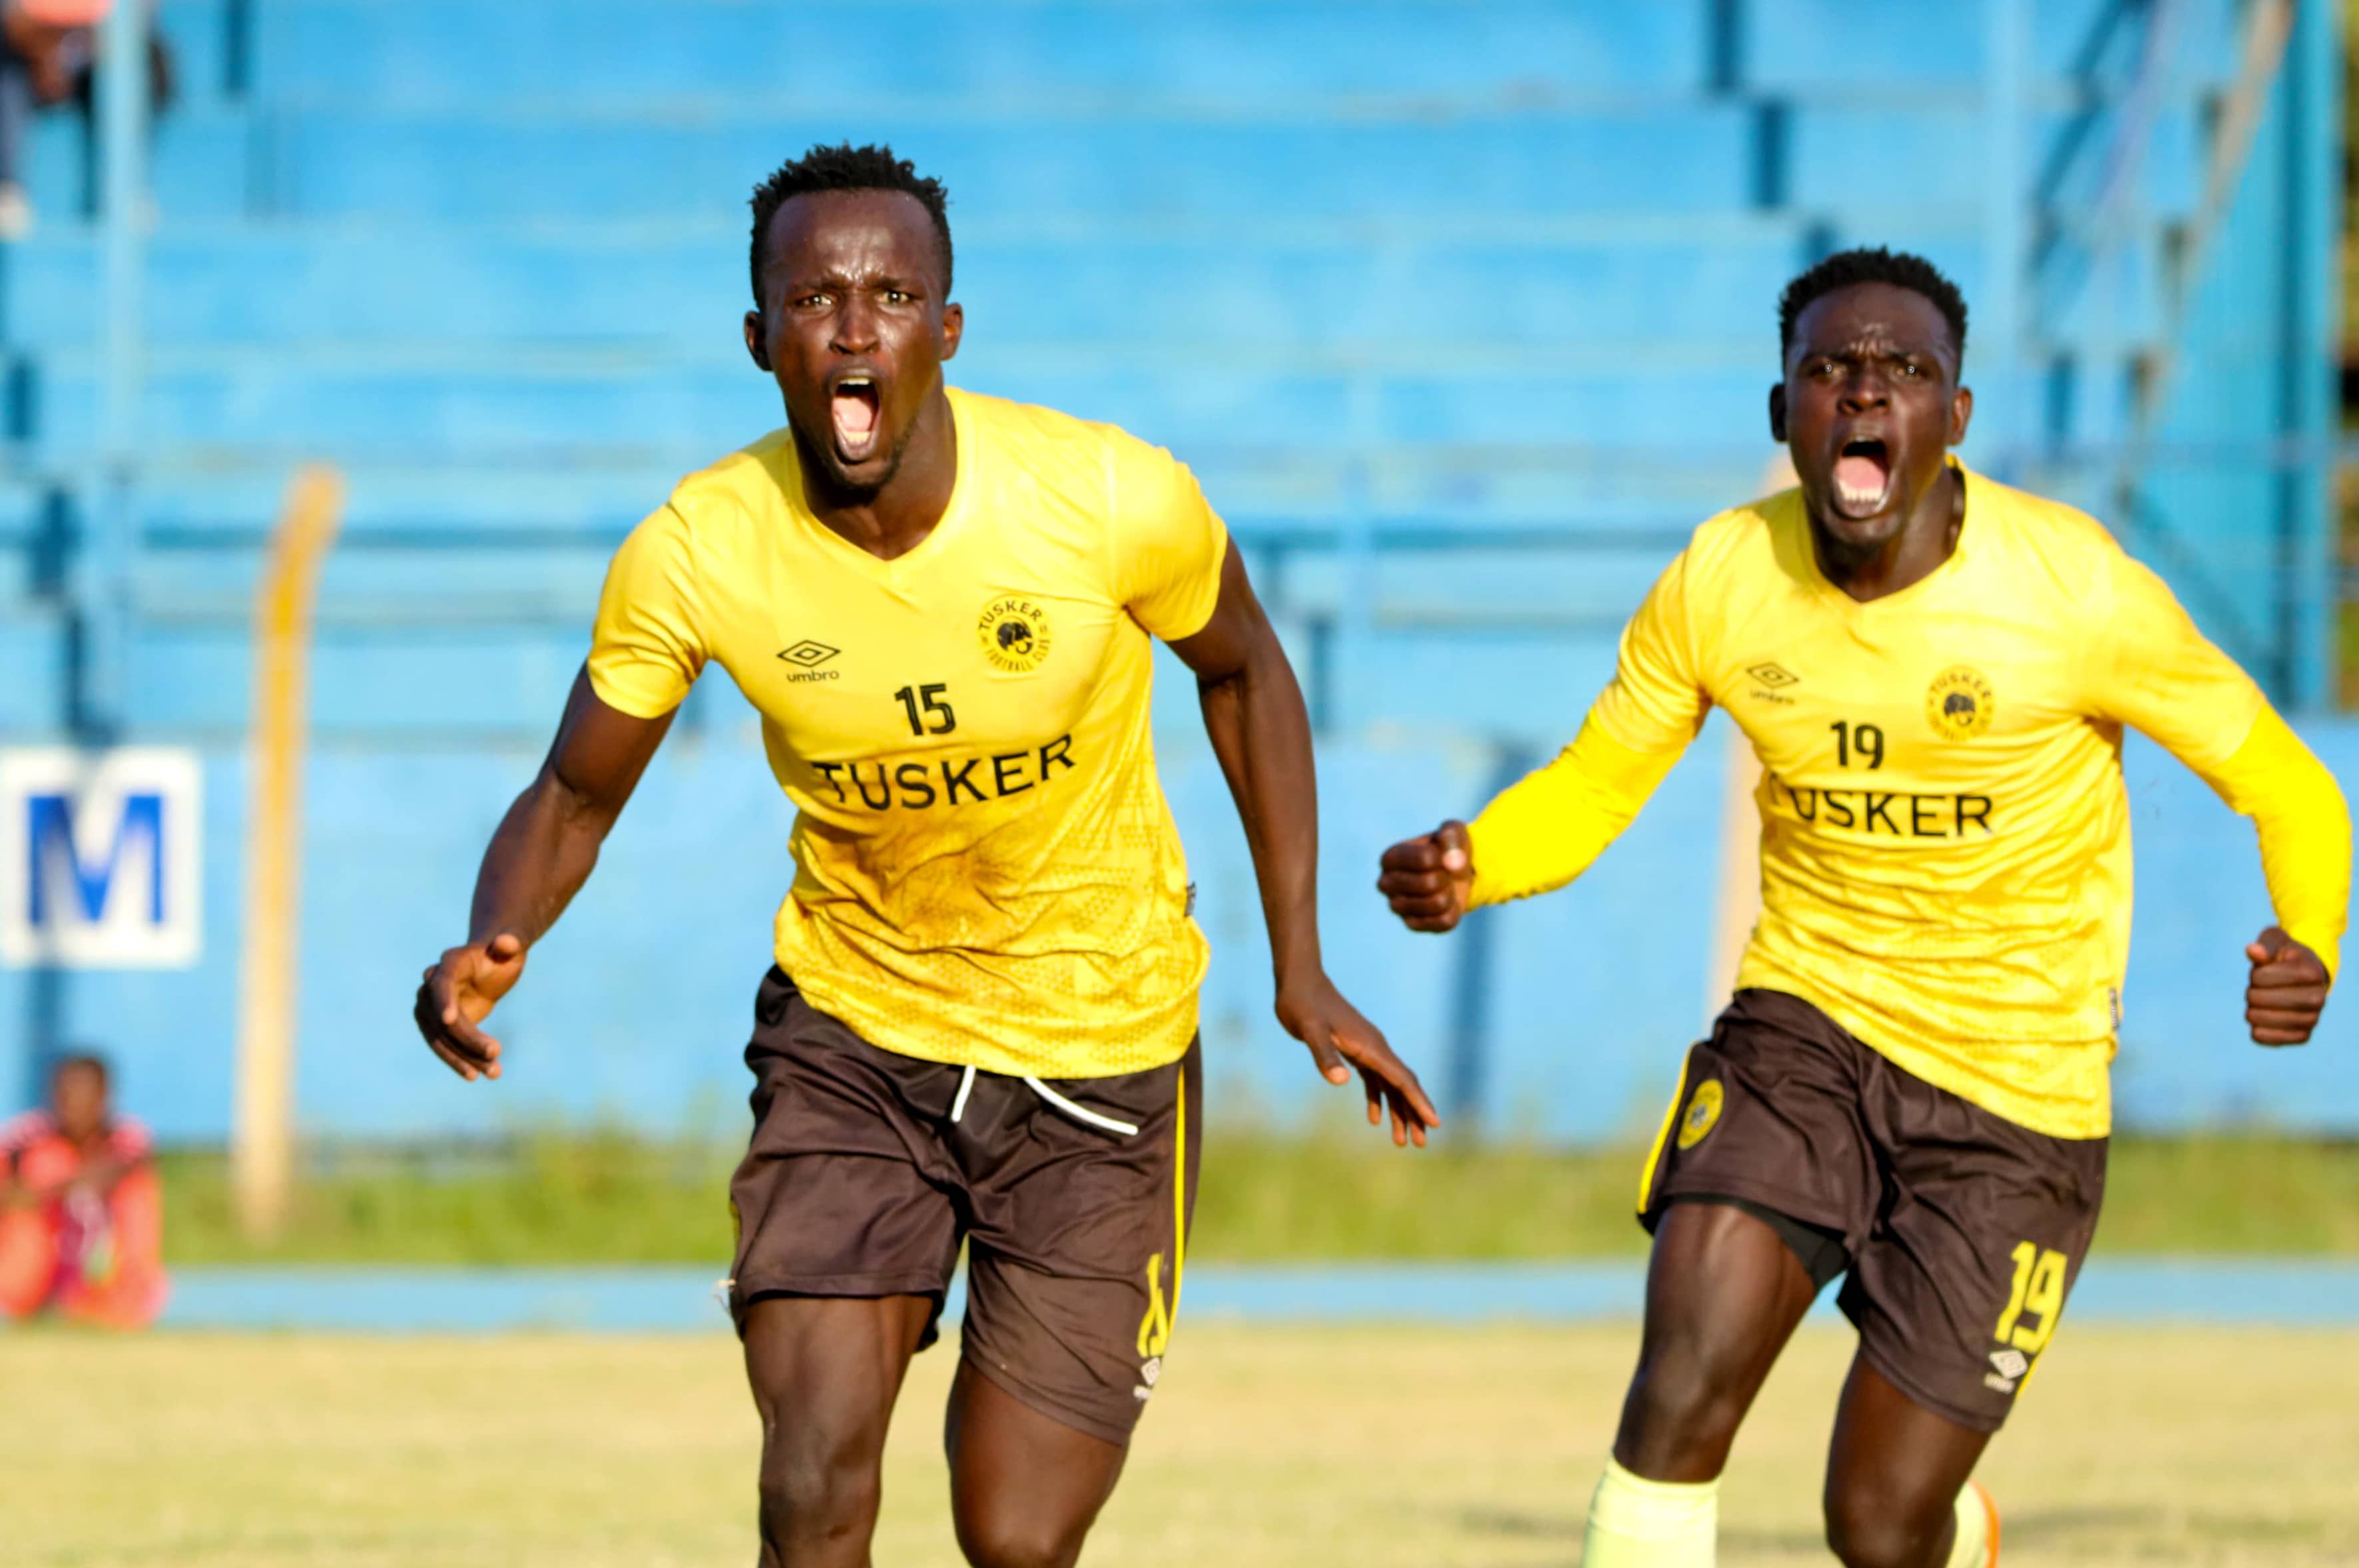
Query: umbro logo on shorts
[[2009, 1367]]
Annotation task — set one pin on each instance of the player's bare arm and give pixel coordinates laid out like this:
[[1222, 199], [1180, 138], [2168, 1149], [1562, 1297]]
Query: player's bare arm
[[1261, 731], [2288, 991], [539, 858]]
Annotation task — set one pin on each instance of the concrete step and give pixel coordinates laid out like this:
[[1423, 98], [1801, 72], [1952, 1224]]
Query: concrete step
[[455, 52], [292, 283], [441, 407]]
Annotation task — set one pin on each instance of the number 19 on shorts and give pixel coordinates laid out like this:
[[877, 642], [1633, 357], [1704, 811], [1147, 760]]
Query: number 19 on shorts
[[2033, 1300]]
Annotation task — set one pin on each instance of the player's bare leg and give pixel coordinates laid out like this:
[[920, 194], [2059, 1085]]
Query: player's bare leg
[[1893, 1474], [1723, 1295], [825, 1371], [1025, 1488]]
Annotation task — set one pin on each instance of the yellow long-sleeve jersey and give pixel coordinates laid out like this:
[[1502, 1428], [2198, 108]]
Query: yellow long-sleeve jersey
[[1945, 849]]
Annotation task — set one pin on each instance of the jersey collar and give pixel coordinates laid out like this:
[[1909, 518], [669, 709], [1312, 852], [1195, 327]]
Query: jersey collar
[[933, 544], [1806, 551]]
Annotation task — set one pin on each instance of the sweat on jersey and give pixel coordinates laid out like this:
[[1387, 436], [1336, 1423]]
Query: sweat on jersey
[[1945, 845], [986, 871]]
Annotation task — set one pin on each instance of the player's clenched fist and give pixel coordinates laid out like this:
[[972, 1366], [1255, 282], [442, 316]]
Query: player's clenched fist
[[2288, 990], [1429, 881]]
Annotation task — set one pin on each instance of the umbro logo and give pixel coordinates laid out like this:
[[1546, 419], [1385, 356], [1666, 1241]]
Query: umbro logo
[[2007, 1367], [807, 655], [1770, 682]]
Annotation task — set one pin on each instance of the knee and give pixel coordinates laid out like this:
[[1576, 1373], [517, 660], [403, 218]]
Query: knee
[[1875, 1532], [1009, 1538], [1681, 1416], [810, 1498]]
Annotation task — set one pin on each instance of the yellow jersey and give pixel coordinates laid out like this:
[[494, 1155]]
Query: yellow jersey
[[986, 873], [1945, 850]]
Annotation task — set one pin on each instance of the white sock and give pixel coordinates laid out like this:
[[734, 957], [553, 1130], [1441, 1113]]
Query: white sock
[[1637, 1523], [1977, 1541]]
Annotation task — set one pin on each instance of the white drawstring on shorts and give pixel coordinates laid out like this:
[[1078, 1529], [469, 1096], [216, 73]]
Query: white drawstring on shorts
[[1080, 1114]]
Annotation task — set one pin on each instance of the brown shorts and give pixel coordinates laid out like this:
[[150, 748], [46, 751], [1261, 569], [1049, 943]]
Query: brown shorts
[[1961, 1231], [868, 1168]]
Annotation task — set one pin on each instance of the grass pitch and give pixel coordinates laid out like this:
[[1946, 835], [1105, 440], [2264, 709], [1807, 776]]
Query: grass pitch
[[607, 1197], [1267, 1446]]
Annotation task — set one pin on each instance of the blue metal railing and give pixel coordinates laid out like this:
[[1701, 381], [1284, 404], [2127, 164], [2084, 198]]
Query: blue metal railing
[[103, 597]]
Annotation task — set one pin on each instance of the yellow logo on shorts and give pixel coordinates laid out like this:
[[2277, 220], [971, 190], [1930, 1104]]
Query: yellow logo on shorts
[[1014, 631], [1957, 704], [1704, 1114]]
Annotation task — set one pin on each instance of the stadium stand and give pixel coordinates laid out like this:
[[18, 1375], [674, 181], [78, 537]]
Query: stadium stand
[[1463, 311]]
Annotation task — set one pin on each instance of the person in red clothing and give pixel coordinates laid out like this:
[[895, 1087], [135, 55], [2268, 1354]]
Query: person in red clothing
[[81, 1215], [48, 53]]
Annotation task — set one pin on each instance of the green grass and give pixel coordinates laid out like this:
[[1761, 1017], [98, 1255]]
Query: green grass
[[606, 1198], [594, 1197], [2349, 623], [1267, 1446], [2233, 1194]]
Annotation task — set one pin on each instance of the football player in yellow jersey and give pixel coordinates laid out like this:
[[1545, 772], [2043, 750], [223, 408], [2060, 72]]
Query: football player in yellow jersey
[[982, 1024], [1909, 1087]]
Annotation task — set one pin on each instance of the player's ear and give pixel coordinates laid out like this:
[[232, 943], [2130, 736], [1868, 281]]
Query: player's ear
[[757, 343], [1961, 414], [1778, 413], [953, 328]]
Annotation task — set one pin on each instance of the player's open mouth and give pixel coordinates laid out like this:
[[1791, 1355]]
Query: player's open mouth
[[854, 405], [1863, 478]]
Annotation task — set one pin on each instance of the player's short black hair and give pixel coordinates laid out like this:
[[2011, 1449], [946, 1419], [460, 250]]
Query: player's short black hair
[[87, 1060], [1902, 270], [847, 167]]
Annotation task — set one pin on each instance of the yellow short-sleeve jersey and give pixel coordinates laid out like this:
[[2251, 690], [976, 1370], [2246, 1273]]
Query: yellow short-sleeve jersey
[[986, 870]]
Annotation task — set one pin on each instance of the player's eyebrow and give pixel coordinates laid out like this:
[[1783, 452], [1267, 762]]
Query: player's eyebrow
[[1929, 353], [829, 277], [834, 275], [1867, 348]]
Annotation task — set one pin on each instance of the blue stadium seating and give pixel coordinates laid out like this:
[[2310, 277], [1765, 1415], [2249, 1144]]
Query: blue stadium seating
[[490, 240]]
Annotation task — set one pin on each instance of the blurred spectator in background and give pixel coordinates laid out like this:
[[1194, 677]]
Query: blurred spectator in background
[[82, 1216], [47, 51]]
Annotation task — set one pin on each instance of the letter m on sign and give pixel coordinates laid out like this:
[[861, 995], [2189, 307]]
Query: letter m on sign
[[100, 859], [50, 824]]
